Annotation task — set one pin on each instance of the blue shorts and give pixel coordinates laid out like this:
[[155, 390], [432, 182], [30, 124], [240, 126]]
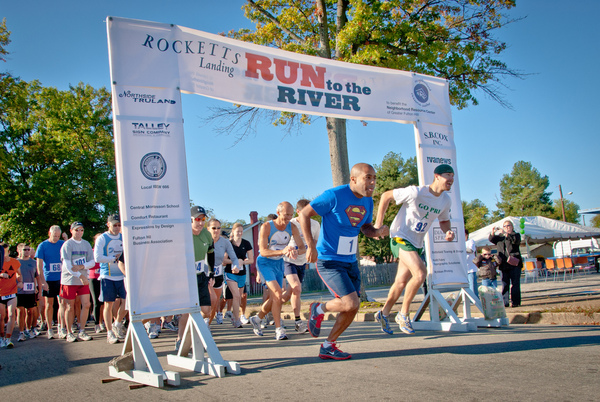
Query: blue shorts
[[239, 279], [271, 270], [290, 268], [111, 290], [341, 278]]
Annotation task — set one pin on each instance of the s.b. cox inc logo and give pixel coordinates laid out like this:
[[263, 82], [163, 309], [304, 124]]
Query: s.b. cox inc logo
[[153, 166], [421, 93]]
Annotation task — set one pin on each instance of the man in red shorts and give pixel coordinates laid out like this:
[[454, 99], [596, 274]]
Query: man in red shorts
[[77, 257]]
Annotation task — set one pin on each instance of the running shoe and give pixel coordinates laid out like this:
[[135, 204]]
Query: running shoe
[[263, 323], [71, 337], [62, 333], [228, 315], [151, 330], [102, 327], [177, 344], [97, 329], [36, 331], [2, 343], [301, 327], [111, 338], [255, 321], [244, 320], [207, 321], [219, 318], [404, 323], [8, 344], [119, 330], [280, 334], [83, 336], [50, 333], [385, 323], [332, 352], [22, 337], [314, 321], [236, 323], [44, 327], [170, 326], [30, 334]]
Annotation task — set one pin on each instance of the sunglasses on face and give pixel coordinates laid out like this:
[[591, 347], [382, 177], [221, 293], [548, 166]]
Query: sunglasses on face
[[198, 219], [214, 228]]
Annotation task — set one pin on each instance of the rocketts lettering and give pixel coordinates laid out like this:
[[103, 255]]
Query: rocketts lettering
[[192, 47]]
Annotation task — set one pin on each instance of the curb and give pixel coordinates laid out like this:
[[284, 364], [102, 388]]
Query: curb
[[535, 317]]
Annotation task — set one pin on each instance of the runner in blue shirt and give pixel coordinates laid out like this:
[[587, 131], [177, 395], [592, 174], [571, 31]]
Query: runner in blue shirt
[[345, 211]]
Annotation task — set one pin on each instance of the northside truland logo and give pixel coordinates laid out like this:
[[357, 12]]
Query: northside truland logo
[[153, 166], [420, 93], [145, 98]]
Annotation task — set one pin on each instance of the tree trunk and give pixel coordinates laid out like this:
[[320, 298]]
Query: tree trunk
[[338, 151]]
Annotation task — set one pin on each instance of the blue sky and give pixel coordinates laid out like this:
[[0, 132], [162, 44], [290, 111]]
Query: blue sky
[[551, 124]]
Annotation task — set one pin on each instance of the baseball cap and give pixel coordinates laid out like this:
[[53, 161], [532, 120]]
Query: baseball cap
[[443, 168], [114, 218], [197, 211], [75, 225]]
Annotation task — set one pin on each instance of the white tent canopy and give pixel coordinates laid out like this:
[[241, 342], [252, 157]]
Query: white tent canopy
[[538, 230]]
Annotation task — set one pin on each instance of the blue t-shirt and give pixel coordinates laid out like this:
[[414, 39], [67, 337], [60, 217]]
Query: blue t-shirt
[[343, 214], [50, 254]]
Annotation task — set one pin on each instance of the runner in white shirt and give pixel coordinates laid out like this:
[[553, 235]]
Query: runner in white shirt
[[294, 269], [421, 206]]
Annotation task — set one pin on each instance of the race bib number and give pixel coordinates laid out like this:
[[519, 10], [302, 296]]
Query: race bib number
[[79, 261], [55, 267], [200, 265], [28, 286], [219, 270], [8, 297], [347, 245]]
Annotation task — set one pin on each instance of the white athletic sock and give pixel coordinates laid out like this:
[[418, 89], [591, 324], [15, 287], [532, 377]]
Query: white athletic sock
[[320, 309], [327, 344]]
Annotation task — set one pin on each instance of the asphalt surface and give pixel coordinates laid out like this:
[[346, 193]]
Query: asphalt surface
[[524, 362]]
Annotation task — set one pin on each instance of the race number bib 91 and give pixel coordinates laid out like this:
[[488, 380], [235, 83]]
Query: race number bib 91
[[55, 267], [347, 245], [28, 286], [219, 270]]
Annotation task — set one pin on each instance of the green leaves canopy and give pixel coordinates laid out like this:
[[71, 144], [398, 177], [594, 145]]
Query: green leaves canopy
[[57, 159]]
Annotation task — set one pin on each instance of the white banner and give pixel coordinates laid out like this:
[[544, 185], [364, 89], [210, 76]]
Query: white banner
[[249, 74], [446, 261]]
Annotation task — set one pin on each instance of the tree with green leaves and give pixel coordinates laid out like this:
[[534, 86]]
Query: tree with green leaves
[[4, 39], [595, 222], [394, 172], [476, 215], [523, 192], [571, 208], [57, 161], [452, 39]]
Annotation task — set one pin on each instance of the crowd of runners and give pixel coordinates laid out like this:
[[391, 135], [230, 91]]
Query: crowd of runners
[[64, 282]]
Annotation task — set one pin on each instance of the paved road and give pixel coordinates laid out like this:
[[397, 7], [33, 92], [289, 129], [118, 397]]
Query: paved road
[[539, 362]]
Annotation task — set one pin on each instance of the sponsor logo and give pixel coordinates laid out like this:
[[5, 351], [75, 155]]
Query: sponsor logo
[[145, 98], [355, 214], [151, 129], [439, 236], [420, 93], [153, 166]]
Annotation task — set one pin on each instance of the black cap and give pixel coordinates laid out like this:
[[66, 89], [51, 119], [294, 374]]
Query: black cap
[[443, 168], [114, 218], [75, 225]]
